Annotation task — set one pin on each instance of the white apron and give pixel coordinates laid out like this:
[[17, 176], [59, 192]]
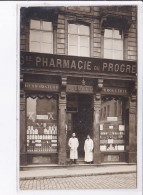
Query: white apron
[[88, 148], [73, 144]]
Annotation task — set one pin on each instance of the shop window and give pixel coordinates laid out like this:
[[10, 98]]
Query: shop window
[[78, 40], [41, 125], [41, 36], [113, 44], [112, 129]]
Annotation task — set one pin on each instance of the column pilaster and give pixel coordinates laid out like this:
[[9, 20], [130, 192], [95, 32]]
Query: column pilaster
[[133, 126], [23, 155], [62, 123], [96, 129]]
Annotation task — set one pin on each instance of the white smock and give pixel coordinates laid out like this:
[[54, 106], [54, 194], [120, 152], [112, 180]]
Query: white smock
[[88, 148], [73, 144]]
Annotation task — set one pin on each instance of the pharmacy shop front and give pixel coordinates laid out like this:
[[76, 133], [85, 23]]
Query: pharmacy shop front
[[62, 94]]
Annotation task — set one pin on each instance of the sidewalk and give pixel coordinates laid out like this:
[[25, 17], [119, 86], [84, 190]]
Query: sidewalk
[[74, 171]]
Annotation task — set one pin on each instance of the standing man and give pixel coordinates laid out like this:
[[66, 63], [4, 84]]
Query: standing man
[[88, 148], [73, 144]]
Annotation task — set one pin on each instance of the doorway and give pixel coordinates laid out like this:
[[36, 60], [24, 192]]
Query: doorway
[[82, 121]]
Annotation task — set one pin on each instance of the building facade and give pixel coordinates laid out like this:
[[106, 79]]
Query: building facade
[[78, 73]]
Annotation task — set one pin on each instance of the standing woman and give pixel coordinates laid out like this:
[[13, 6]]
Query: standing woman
[[88, 148]]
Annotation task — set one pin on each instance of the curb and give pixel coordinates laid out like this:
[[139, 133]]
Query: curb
[[75, 175]]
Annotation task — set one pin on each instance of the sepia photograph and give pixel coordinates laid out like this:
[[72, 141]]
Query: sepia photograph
[[78, 97]]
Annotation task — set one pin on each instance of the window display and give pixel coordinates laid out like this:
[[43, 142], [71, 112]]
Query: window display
[[112, 130], [41, 125]]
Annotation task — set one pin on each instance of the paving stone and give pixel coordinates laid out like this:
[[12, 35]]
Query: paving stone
[[116, 181]]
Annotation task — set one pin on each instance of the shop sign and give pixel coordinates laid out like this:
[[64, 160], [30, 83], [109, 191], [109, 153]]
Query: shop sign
[[79, 89], [112, 118], [41, 86], [114, 91], [76, 64]]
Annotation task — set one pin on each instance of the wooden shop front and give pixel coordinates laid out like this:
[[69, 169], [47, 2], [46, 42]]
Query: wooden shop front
[[63, 94]]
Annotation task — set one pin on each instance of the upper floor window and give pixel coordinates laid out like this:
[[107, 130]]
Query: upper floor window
[[78, 40], [41, 36], [113, 44]]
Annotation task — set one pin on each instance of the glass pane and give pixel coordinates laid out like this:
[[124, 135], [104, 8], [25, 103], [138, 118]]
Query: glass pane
[[35, 24], [84, 51], [73, 28], [117, 35], [112, 127], [118, 55], [41, 125], [118, 45], [35, 47], [83, 30], [47, 26], [108, 53], [73, 40], [108, 33], [46, 48], [108, 43], [47, 37], [73, 50], [31, 109], [35, 35], [84, 41]]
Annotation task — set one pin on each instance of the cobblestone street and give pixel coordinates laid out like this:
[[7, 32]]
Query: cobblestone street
[[115, 181]]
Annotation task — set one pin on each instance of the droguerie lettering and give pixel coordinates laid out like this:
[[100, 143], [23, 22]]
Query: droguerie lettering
[[122, 68]]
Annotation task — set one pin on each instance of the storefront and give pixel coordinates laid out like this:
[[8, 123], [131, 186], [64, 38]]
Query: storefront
[[78, 73], [59, 102]]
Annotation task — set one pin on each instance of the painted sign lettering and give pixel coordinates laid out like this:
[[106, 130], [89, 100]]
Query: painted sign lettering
[[41, 86], [74, 63]]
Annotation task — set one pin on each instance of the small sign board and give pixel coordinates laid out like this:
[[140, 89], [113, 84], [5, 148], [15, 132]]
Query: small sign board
[[101, 127], [110, 141], [32, 86], [121, 128], [110, 127], [112, 118]]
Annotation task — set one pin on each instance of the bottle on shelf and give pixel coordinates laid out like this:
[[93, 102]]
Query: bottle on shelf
[[45, 131], [50, 129], [28, 131], [36, 131]]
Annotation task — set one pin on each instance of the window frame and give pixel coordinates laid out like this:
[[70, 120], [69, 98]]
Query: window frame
[[113, 43], [41, 31], [78, 35]]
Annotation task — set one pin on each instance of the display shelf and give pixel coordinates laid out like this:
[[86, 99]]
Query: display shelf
[[112, 140], [42, 139]]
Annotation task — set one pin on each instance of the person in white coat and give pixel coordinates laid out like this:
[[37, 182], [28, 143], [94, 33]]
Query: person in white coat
[[88, 148], [73, 144]]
